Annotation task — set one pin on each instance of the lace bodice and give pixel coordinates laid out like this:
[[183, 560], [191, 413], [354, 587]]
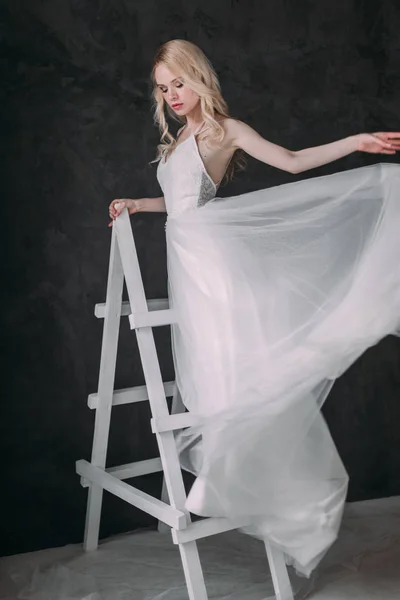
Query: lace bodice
[[184, 180]]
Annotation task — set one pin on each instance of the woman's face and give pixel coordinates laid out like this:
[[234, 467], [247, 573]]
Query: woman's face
[[180, 98]]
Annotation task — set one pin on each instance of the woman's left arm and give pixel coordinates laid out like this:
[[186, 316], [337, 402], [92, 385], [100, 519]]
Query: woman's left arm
[[246, 138]]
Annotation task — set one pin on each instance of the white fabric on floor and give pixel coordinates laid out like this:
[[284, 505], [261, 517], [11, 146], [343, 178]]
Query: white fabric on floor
[[145, 565]]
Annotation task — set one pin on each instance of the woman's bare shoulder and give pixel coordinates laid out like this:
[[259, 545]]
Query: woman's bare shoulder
[[229, 124], [232, 128]]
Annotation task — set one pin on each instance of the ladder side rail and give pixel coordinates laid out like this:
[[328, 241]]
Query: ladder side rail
[[166, 443], [148, 353], [177, 407], [105, 390], [279, 573]]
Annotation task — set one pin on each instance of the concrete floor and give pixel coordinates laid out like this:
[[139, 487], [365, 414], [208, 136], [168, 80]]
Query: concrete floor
[[145, 565]]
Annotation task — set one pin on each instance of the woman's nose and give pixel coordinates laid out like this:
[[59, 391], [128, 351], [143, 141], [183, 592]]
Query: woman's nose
[[172, 95]]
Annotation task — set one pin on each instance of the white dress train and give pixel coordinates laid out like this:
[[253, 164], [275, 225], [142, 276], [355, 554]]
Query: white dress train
[[277, 292]]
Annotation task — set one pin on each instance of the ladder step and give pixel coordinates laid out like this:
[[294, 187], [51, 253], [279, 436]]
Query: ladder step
[[155, 318], [155, 304], [138, 393], [160, 510], [134, 469], [206, 527], [172, 422]]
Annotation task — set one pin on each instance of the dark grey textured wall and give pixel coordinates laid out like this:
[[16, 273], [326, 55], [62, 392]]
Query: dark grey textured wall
[[77, 132]]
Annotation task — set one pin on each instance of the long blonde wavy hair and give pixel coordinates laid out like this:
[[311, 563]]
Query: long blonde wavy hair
[[199, 75]]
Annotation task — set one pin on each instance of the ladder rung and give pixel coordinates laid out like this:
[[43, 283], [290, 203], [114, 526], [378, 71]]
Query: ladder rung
[[206, 527], [160, 510], [155, 318], [134, 469], [138, 393], [155, 304], [172, 422]]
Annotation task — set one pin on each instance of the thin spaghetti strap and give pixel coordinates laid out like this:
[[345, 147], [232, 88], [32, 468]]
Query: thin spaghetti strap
[[184, 127], [180, 131], [198, 128]]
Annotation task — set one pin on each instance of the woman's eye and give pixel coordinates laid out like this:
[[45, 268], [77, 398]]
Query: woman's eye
[[179, 85]]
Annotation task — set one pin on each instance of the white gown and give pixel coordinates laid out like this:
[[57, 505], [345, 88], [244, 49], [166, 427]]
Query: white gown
[[277, 292]]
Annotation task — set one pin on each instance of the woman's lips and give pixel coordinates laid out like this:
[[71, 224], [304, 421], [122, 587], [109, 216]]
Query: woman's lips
[[175, 106]]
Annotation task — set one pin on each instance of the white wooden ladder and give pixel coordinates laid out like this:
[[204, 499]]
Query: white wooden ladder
[[143, 316]]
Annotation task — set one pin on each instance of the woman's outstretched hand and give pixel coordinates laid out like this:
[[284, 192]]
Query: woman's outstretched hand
[[117, 206], [382, 142]]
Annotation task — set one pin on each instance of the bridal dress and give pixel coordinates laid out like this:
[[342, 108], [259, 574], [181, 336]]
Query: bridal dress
[[277, 292]]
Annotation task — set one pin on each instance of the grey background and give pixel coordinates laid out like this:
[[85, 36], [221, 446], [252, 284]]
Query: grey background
[[77, 132]]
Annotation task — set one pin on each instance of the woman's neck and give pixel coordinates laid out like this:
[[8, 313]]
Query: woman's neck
[[194, 120], [191, 126]]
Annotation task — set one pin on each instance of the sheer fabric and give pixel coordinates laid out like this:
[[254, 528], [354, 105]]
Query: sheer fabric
[[277, 292]]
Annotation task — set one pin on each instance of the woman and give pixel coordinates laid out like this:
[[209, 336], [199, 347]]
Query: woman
[[277, 292]]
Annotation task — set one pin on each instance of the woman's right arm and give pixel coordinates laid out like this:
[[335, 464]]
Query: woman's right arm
[[134, 206]]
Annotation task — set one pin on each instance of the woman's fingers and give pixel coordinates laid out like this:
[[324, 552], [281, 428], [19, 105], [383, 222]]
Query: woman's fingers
[[393, 135], [388, 147], [381, 140], [391, 138], [116, 207]]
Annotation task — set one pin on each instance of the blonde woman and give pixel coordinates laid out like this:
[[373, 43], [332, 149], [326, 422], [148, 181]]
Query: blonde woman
[[278, 291]]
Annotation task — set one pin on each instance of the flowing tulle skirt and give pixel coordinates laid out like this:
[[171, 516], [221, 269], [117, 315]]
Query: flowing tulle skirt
[[277, 292]]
